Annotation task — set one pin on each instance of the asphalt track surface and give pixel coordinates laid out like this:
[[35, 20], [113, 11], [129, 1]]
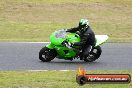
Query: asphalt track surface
[[24, 56]]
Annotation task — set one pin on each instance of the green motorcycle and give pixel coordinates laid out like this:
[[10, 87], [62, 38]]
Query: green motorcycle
[[60, 47]]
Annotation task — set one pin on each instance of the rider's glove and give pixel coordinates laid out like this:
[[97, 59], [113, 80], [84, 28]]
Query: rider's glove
[[78, 33]]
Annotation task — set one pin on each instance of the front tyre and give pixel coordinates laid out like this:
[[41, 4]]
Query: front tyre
[[46, 54], [94, 55]]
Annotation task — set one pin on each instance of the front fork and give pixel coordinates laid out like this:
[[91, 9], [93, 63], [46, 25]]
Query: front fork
[[50, 46]]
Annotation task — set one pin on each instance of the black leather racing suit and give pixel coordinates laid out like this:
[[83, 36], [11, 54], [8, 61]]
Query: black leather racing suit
[[87, 39]]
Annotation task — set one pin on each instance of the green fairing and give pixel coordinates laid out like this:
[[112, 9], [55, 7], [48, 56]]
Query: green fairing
[[56, 44], [58, 37]]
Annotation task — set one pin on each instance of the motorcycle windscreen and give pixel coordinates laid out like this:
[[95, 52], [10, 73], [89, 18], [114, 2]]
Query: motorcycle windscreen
[[100, 39], [58, 37]]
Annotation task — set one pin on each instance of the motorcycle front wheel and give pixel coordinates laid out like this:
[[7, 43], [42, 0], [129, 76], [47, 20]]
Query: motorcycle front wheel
[[46, 54]]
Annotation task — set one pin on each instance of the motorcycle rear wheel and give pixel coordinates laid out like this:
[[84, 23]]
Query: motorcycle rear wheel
[[46, 54], [94, 55]]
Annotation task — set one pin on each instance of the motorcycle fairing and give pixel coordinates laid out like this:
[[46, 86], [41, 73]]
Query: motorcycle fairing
[[100, 39]]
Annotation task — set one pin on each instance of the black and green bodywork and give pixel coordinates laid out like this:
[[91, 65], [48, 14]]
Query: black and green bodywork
[[58, 37]]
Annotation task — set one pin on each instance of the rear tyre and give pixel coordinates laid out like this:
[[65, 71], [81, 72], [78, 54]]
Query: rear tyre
[[46, 54], [94, 55]]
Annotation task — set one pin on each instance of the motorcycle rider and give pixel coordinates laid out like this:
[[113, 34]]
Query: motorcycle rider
[[87, 37]]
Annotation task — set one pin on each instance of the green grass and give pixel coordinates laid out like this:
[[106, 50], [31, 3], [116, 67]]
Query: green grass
[[53, 79], [35, 20]]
